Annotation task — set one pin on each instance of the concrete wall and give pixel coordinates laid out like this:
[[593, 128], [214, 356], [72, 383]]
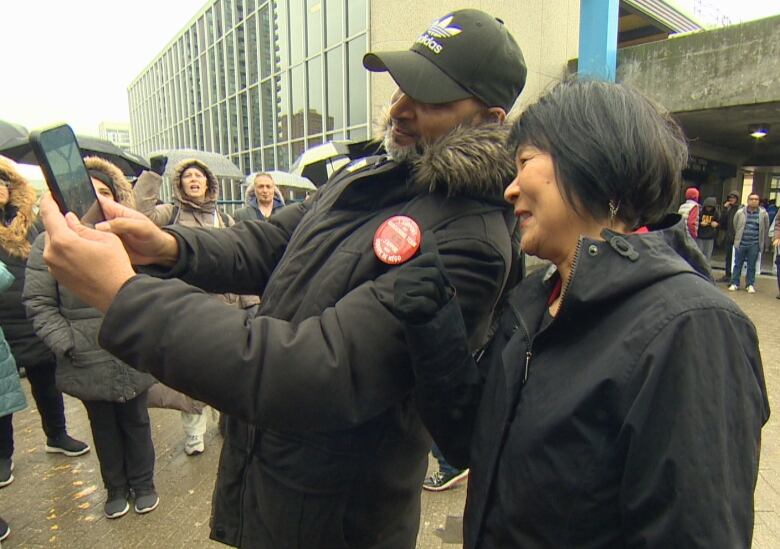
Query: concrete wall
[[546, 30], [708, 69]]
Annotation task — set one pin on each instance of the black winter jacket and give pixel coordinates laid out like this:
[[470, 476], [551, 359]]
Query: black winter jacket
[[69, 327], [324, 447], [633, 419]]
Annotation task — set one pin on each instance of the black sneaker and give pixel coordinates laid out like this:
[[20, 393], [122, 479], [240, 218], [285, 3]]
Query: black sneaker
[[5, 530], [146, 501], [65, 444], [116, 503], [6, 477], [438, 481]]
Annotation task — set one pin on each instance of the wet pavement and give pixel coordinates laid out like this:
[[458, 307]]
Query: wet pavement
[[57, 502]]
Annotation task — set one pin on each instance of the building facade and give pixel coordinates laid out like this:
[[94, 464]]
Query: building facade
[[258, 81], [116, 132]]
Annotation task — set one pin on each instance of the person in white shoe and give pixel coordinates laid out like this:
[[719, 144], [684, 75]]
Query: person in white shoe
[[751, 225], [195, 192]]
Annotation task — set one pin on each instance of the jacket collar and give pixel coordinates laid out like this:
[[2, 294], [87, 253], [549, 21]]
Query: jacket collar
[[469, 161], [615, 268]]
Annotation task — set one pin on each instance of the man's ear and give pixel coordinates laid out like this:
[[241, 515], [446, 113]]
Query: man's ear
[[496, 114]]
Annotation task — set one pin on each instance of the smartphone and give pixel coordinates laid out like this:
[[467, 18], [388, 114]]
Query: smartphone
[[66, 175]]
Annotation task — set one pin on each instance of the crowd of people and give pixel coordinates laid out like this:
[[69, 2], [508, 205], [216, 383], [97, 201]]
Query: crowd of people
[[746, 232], [52, 335], [395, 313]]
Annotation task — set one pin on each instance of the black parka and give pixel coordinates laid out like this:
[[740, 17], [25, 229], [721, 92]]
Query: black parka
[[324, 447], [69, 327], [633, 419]]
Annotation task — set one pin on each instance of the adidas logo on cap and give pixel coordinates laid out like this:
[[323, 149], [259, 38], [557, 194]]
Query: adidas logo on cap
[[439, 29]]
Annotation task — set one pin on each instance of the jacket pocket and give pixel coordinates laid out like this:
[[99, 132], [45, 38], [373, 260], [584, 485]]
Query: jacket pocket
[[297, 519]]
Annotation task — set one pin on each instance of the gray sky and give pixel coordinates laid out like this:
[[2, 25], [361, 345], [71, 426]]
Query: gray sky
[[72, 60]]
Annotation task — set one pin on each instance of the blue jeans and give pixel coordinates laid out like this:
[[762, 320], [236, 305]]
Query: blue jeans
[[444, 467], [745, 253]]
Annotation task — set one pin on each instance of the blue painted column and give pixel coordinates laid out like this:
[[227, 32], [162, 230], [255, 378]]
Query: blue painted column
[[598, 38]]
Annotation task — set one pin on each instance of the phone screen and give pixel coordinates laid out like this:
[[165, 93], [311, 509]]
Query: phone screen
[[71, 183]]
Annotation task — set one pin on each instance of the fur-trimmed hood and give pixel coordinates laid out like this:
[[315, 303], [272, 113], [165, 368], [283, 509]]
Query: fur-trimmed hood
[[212, 190], [122, 187], [17, 215], [468, 161]]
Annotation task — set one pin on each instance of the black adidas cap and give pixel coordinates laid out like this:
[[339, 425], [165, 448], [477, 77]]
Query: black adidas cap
[[465, 54]]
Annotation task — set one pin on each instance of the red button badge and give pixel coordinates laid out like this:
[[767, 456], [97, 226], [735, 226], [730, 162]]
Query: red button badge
[[397, 240]]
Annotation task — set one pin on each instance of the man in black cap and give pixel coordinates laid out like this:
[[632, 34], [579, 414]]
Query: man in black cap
[[324, 446]]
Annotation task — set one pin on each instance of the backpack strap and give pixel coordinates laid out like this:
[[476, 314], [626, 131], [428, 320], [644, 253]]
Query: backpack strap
[[174, 215]]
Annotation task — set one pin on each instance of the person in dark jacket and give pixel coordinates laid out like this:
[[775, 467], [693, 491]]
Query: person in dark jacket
[[594, 418], [261, 199], [708, 226], [324, 447], [113, 394], [12, 397], [17, 231], [726, 224]]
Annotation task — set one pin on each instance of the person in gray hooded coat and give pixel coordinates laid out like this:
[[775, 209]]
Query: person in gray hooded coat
[[114, 394]]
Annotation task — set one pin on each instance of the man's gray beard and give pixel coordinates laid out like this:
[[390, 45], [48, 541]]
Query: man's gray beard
[[400, 153]]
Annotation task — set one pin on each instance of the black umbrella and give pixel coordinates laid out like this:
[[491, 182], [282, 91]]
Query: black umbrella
[[13, 139], [15, 144], [129, 163]]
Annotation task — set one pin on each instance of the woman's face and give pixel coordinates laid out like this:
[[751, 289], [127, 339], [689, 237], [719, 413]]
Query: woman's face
[[194, 183], [102, 189], [549, 227]]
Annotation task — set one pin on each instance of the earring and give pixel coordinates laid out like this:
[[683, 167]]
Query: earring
[[613, 210]]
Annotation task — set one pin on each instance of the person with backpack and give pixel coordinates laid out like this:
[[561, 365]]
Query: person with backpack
[[195, 189], [689, 210]]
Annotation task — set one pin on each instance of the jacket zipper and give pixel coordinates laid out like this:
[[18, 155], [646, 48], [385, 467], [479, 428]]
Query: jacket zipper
[[565, 289]]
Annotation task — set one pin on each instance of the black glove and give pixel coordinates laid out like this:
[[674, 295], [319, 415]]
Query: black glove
[[422, 288], [158, 164]]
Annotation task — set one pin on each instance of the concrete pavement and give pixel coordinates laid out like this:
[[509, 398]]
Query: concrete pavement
[[57, 502]]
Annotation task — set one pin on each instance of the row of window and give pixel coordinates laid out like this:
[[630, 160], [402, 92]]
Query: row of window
[[215, 103]]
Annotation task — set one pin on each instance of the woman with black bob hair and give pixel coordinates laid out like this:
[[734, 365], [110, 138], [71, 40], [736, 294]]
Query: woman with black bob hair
[[621, 399]]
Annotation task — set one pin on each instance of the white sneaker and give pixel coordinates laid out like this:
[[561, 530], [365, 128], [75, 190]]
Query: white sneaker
[[733, 288], [751, 290], [194, 445]]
